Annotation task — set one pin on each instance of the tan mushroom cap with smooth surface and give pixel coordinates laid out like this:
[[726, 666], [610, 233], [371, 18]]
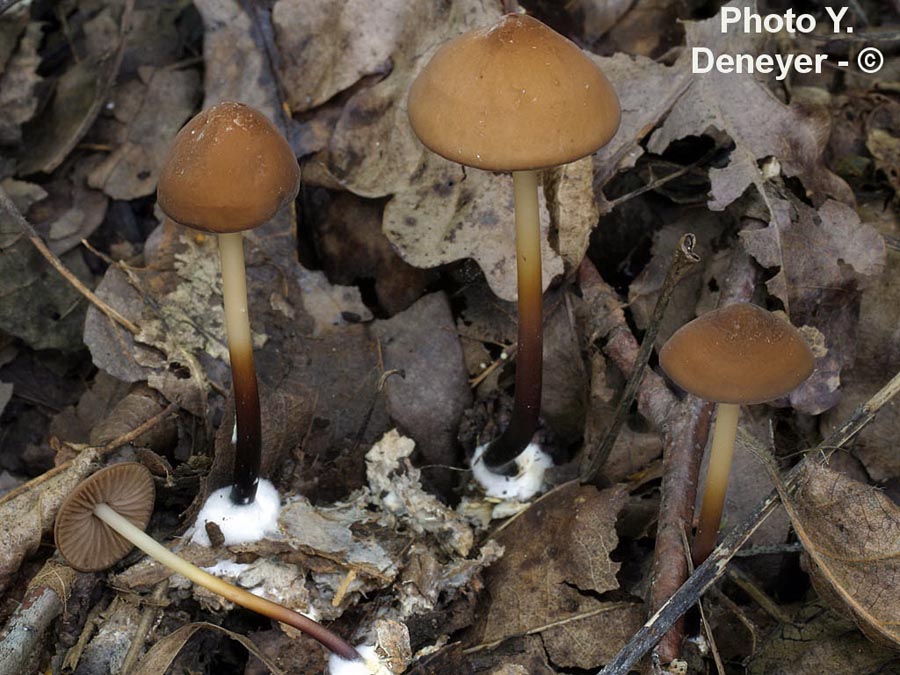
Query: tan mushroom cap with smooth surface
[[229, 169], [86, 542], [737, 354], [513, 96]]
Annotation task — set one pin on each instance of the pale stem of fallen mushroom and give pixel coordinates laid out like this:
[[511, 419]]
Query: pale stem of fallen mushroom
[[236, 595], [501, 454], [720, 454], [248, 450]]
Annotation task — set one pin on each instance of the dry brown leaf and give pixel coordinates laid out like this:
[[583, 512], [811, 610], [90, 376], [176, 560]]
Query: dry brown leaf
[[876, 355], [326, 47], [80, 92], [555, 565], [18, 82], [163, 653], [430, 393], [148, 111], [29, 516], [851, 532], [824, 257], [819, 641], [759, 124]]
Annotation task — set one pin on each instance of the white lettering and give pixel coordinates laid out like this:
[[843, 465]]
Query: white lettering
[[730, 15], [836, 18], [696, 52]]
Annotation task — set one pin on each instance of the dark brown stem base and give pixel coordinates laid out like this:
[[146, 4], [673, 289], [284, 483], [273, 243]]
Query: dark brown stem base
[[500, 457]]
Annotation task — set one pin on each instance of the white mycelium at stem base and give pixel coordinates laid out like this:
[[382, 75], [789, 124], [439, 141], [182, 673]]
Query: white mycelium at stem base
[[239, 523], [527, 481]]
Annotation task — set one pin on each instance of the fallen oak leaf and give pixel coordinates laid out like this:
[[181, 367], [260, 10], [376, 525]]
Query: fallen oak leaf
[[759, 124], [162, 654], [850, 532]]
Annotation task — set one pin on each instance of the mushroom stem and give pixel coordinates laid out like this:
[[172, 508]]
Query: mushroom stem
[[720, 453], [236, 595], [248, 451], [501, 454]]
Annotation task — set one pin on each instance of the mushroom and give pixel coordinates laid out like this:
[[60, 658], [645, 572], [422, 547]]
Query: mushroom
[[230, 170], [104, 518], [519, 97], [736, 355]]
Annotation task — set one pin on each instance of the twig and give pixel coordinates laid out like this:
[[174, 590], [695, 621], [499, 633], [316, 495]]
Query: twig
[[10, 209], [714, 566], [684, 445], [145, 623], [682, 261], [713, 649], [24, 633], [124, 439], [686, 436], [746, 584]]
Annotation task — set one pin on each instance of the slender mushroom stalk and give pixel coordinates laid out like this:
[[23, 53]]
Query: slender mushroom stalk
[[737, 355], [230, 170], [103, 519], [500, 455], [519, 97], [248, 449]]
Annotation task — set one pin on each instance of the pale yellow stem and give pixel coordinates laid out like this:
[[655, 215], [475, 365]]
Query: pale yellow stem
[[234, 291], [236, 595], [720, 454]]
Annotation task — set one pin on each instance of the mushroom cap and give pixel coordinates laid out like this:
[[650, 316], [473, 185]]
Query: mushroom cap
[[229, 169], [737, 354], [86, 542], [513, 96]]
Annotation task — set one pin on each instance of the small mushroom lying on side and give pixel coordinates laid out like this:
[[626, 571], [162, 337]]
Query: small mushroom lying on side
[[104, 518], [736, 355]]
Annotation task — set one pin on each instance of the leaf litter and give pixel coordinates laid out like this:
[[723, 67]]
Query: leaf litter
[[380, 329]]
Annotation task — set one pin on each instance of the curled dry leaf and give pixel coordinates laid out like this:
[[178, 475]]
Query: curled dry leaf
[[851, 532], [824, 257], [163, 653], [18, 81], [326, 47], [735, 103], [29, 515], [557, 562], [148, 112]]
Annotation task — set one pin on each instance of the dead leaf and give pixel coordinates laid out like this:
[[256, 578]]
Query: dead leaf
[[162, 654], [430, 393], [148, 111], [80, 92], [29, 515], [735, 103], [38, 305], [823, 258], [18, 82], [327, 47], [820, 641], [555, 565], [850, 532], [885, 148]]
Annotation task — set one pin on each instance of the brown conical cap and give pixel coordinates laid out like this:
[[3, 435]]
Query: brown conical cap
[[514, 96], [737, 354], [86, 542], [229, 169]]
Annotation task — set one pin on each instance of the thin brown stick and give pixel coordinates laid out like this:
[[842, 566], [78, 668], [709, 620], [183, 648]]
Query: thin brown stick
[[7, 206], [124, 439], [682, 261], [149, 615], [714, 566], [684, 445]]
